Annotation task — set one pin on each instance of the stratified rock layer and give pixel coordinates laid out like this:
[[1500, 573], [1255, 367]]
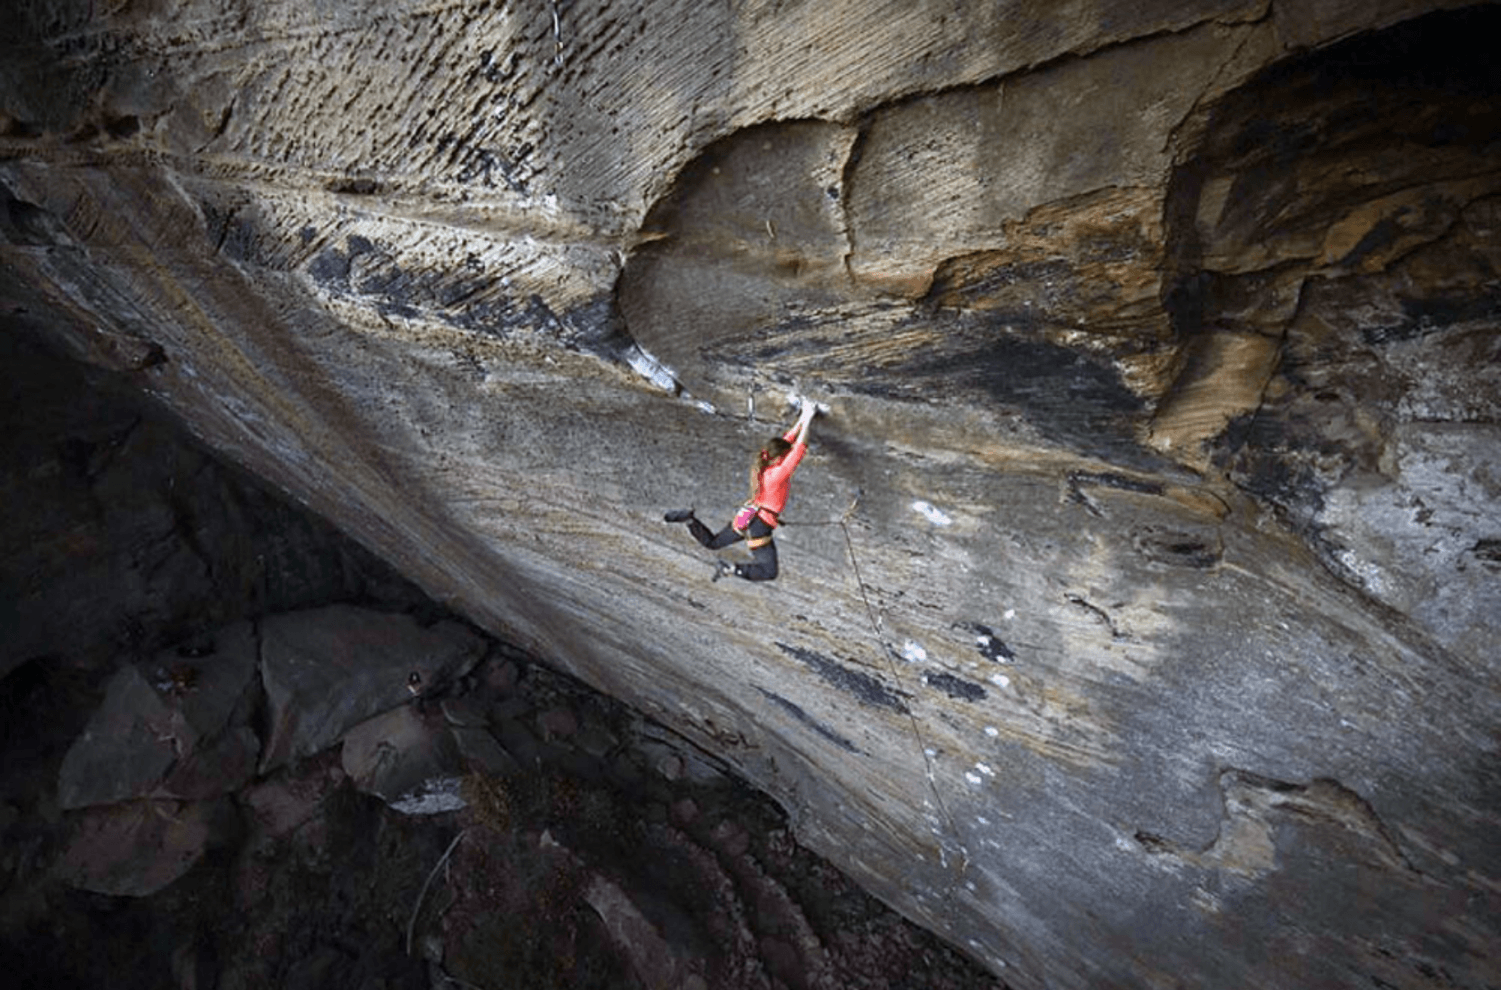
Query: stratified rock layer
[[1137, 597]]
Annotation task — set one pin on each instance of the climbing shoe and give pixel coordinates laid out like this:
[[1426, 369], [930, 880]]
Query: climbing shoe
[[722, 569], [678, 515]]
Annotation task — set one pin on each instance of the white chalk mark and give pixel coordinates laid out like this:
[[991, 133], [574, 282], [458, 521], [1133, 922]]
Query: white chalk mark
[[934, 515], [913, 652], [651, 369]]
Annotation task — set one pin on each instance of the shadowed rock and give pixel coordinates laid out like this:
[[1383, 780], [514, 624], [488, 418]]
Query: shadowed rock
[[410, 762], [327, 670], [136, 848], [176, 726]]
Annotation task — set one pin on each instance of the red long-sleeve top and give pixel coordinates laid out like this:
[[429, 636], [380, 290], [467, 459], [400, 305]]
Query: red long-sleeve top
[[771, 494]]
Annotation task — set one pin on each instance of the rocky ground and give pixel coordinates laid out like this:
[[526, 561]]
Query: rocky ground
[[218, 771]]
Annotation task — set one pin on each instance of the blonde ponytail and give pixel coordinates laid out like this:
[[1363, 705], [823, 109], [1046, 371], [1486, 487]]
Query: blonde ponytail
[[761, 460]]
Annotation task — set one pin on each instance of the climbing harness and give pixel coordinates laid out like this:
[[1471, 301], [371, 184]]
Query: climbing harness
[[748, 514]]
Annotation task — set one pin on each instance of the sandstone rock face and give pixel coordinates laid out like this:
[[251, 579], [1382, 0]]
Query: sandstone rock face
[[1138, 598]]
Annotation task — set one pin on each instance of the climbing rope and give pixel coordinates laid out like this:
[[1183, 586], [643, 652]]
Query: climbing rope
[[888, 651]]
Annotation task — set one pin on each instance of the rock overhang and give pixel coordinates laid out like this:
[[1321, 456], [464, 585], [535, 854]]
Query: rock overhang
[[1047, 299]]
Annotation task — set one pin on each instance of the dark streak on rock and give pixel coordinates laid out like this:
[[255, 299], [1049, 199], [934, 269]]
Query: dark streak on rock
[[1154, 844], [1078, 480], [1097, 612], [330, 268], [955, 687], [1111, 479], [15, 128], [1076, 496], [125, 126], [1175, 549], [354, 186], [465, 299], [233, 235], [1265, 457], [28, 225], [797, 712], [864, 688], [1078, 400], [1428, 316], [991, 646], [1487, 551]]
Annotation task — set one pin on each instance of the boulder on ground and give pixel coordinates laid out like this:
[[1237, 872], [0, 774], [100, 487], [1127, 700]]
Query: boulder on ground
[[481, 752], [281, 803], [175, 726], [404, 759], [327, 670], [125, 750], [136, 848]]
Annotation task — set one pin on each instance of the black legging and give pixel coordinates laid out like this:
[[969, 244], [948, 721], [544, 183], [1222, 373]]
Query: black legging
[[763, 565]]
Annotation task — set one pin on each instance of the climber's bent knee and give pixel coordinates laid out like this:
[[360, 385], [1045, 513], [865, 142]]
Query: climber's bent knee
[[763, 565]]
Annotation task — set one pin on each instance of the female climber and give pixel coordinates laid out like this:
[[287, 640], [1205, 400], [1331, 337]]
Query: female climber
[[770, 474]]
